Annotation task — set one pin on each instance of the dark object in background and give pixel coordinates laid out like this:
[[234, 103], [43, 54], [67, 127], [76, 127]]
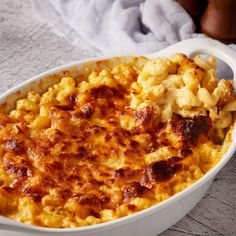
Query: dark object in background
[[219, 20], [195, 9], [216, 18]]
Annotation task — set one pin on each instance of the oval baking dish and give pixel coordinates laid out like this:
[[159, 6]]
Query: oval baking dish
[[152, 220]]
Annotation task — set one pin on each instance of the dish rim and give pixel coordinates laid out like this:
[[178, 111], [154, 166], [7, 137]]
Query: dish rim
[[183, 46]]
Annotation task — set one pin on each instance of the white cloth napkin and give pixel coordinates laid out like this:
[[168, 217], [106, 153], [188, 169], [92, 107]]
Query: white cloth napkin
[[115, 27], [118, 26]]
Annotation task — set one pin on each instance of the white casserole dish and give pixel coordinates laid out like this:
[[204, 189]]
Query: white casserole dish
[[153, 220]]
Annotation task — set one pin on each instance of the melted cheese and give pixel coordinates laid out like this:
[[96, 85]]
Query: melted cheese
[[125, 138]]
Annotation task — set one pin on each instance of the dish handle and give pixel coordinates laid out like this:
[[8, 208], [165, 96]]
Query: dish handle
[[217, 49], [191, 47]]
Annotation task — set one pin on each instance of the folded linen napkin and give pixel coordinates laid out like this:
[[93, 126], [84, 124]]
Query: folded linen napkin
[[115, 27]]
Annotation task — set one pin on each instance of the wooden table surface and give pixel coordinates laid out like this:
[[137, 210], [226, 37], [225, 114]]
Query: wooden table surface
[[28, 47]]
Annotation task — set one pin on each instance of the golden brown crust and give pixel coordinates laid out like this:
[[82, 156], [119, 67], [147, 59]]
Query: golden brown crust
[[133, 189], [160, 171], [90, 151], [190, 129], [227, 94]]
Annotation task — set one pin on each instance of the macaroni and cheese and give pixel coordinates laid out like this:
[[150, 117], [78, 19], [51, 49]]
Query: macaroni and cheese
[[115, 140]]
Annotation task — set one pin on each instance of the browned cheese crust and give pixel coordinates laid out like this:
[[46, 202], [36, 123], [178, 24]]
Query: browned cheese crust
[[99, 147]]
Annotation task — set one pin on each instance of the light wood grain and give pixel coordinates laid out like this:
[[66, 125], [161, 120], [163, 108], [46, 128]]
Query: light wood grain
[[28, 47]]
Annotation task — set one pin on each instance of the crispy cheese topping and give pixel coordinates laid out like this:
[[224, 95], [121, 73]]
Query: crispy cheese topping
[[112, 141]]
